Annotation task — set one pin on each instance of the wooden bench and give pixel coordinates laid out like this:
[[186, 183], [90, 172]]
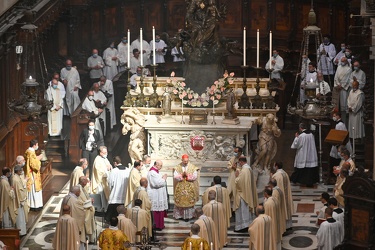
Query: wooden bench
[[46, 171], [11, 238]]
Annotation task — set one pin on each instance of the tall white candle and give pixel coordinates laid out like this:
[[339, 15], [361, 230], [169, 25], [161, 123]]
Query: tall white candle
[[212, 246], [244, 46], [201, 245], [190, 246], [153, 46], [257, 48], [182, 105], [128, 48], [141, 44], [270, 49]]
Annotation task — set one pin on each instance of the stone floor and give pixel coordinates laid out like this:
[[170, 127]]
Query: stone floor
[[302, 236]]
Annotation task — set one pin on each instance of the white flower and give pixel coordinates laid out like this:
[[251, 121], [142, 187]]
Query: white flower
[[205, 104], [193, 104], [195, 95], [203, 95], [199, 104], [216, 102]]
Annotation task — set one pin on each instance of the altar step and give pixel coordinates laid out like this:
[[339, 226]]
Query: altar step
[[56, 148]]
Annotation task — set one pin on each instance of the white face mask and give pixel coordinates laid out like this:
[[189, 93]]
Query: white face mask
[[36, 148], [334, 118], [91, 97], [105, 156], [91, 127]]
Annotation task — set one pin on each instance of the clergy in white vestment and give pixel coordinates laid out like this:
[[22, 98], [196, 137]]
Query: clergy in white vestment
[[246, 198], [356, 102], [33, 177], [337, 213], [122, 49], [90, 106], [283, 182], [135, 61], [272, 209], [20, 198], [110, 56], [216, 211], [310, 77], [323, 89], [358, 75], [146, 50], [330, 232], [341, 86], [160, 49], [67, 233], [78, 171], [101, 101], [70, 77], [278, 194], [335, 157], [306, 170], [146, 163], [340, 54], [101, 173], [106, 86], [261, 232], [326, 53], [85, 198], [55, 93], [118, 184], [77, 211], [232, 167], [303, 74], [8, 210], [222, 195], [95, 64], [133, 183], [178, 54], [275, 65], [157, 191]]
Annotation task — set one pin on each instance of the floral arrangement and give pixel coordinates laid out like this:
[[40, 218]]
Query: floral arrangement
[[211, 97]]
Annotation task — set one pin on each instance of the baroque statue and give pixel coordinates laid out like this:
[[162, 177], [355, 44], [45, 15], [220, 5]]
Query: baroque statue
[[134, 121], [266, 147]]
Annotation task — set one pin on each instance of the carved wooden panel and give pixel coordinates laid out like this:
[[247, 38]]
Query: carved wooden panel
[[301, 18], [324, 19], [130, 15], [176, 15], [95, 24], [153, 14], [110, 27], [340, 27], [283, 18], [360, 225], [258, 14], [232, 25]]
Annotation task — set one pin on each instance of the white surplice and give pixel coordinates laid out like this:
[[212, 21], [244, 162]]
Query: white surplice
[[342, 78], [99, 96], [123, 55], [146, 47], [157, 191], [325, 64], [110, 68], [159, 58], [55, 117], [108, 87], [329, 235], [356, 100], [361, 78], [277, 67], [71, 97], [118, 183], [306, 156]]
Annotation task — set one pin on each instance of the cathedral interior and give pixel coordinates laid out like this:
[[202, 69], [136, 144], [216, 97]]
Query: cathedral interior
[[38, 36]]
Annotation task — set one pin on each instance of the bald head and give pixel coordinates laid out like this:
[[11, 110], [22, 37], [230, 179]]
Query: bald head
[[76, 190], [260, 210], [66, 209], [121, 209], [158, 164], [212, 195], [143, 182], [198, 212]]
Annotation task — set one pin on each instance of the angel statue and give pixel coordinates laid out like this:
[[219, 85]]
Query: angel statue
[[266, 147], [134, 121]]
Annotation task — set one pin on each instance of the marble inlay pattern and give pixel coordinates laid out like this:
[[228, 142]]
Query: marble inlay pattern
[[302, 235]]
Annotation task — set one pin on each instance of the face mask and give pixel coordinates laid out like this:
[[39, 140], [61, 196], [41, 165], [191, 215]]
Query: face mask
[[235, 154], [146, 165], [304, 59], [91, 127], [343, 64], [91, 97], [95, 55], [347, 54], [54, 86], [68, 67], [36, 148], [22, 173], [23, 164], [356, 68], [139, 74], [111, 46], [157, 40], [334, 118], [124, 41], [274, 55], [105, 156], [342, 49]]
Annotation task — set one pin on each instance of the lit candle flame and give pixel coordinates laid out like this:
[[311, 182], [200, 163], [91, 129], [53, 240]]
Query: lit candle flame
[[30, 77], [311, 80]]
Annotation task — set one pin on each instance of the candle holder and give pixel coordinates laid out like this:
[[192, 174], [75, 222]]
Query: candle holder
[[270, 104], [257, 103], [182, 118], [244, 102], [128, 98], [154, 96], [141, 97]]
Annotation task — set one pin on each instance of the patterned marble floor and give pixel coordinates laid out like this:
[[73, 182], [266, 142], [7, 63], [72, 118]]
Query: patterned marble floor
[[302, 236]]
